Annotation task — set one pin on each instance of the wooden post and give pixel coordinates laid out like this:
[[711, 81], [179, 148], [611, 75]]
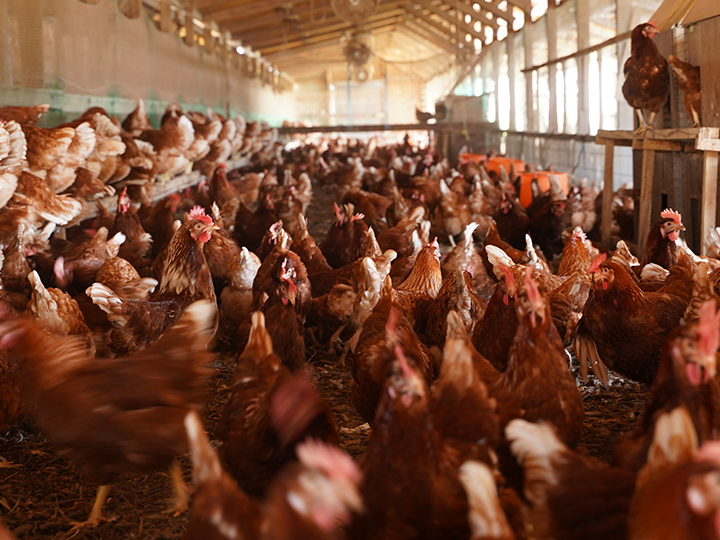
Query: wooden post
[[166, 22], [606, 225], [646, 197], [709, 195]]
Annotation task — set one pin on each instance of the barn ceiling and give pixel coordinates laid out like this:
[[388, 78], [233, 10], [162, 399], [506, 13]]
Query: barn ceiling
[[308, 38]]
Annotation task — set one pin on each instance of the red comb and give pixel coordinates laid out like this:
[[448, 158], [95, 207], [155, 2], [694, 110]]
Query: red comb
[[402, 360], [509, 278], [595, 266], [669, 213], [198, 212], [709, 327], [652, 23], [579, 233]]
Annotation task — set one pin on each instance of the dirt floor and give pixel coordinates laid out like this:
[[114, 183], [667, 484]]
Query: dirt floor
[[41, 492]]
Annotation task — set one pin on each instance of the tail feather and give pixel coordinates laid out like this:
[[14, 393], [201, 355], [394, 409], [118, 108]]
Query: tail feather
[[485, 514], [535, 446], [206, 464], [106, 299]]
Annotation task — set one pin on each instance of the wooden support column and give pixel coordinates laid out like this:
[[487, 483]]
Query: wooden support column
[[707, 141], [646, 196], [606, 225]]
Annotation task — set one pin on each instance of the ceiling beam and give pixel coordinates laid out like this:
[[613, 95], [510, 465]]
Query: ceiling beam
[[318, 39], [279, 31], [435, 24], [318, 30], [430, 36], [453, 20], [525, 5], [488, 6], [476, 15]]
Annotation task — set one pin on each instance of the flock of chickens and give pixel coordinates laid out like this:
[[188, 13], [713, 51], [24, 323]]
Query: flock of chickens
[[459, 354]]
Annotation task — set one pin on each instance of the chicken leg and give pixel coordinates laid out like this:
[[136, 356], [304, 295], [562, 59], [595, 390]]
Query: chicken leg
[[181, 497], [642, 129], [696, 117], [96, 513]]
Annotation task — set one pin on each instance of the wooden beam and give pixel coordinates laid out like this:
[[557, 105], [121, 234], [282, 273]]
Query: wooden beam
[[473, 61], [410, 41], [285, 35], [710, 180], [608, 192], [460, 26], [318, 39], [475, 15], [492, 8], [430, 36], [435, 24], [522, 4], [273, 41], [646, 197]]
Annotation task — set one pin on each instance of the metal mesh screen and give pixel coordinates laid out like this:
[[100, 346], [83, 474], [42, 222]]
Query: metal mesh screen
[[74, 55]]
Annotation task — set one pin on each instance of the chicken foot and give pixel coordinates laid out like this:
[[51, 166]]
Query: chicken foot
[[640, 131], [696, 118], [96, 513], [586, 350]]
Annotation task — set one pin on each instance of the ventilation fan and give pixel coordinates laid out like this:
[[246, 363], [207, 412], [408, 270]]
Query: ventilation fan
[[353, 11], [357, 53], [363, 73]]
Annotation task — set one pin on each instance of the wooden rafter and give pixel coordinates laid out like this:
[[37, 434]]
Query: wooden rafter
[[319, 30], [432, 22], [429, 35], [476, 15], [522, 4], [452, 19], [319, 39], [290, 33], [489, 6]]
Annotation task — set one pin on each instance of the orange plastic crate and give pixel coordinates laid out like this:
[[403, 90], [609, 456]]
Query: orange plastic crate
[[543, 182], [493, 164]]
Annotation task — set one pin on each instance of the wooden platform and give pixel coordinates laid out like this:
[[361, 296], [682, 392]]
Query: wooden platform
[[706, 140]]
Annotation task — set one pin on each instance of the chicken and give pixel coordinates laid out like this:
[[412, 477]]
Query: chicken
[[685, 377], [171, 142], [116, 416], [13, 148], [537, 374], [236, 298], [304, 245], [374, 353], [422, 285], [676, 494], [267, 414], [23, 115], [512, 221], [10, 402], [62, 175], [220, 250], [345, 241], [124, 280], [372, 206], [58, 313], [307, 500], [571, 495], [184, 278], [14, 272], [623, 327], [406, 455], [77, 270], [285, 324], [33, 192], [660, 246], [137, 121], [138, 244], [46, 147], [220, 190], [88, 187], [460, 387], [250, 227], [647, 82], [456, 294], [687, 79], [547, 225], [452, 213]]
